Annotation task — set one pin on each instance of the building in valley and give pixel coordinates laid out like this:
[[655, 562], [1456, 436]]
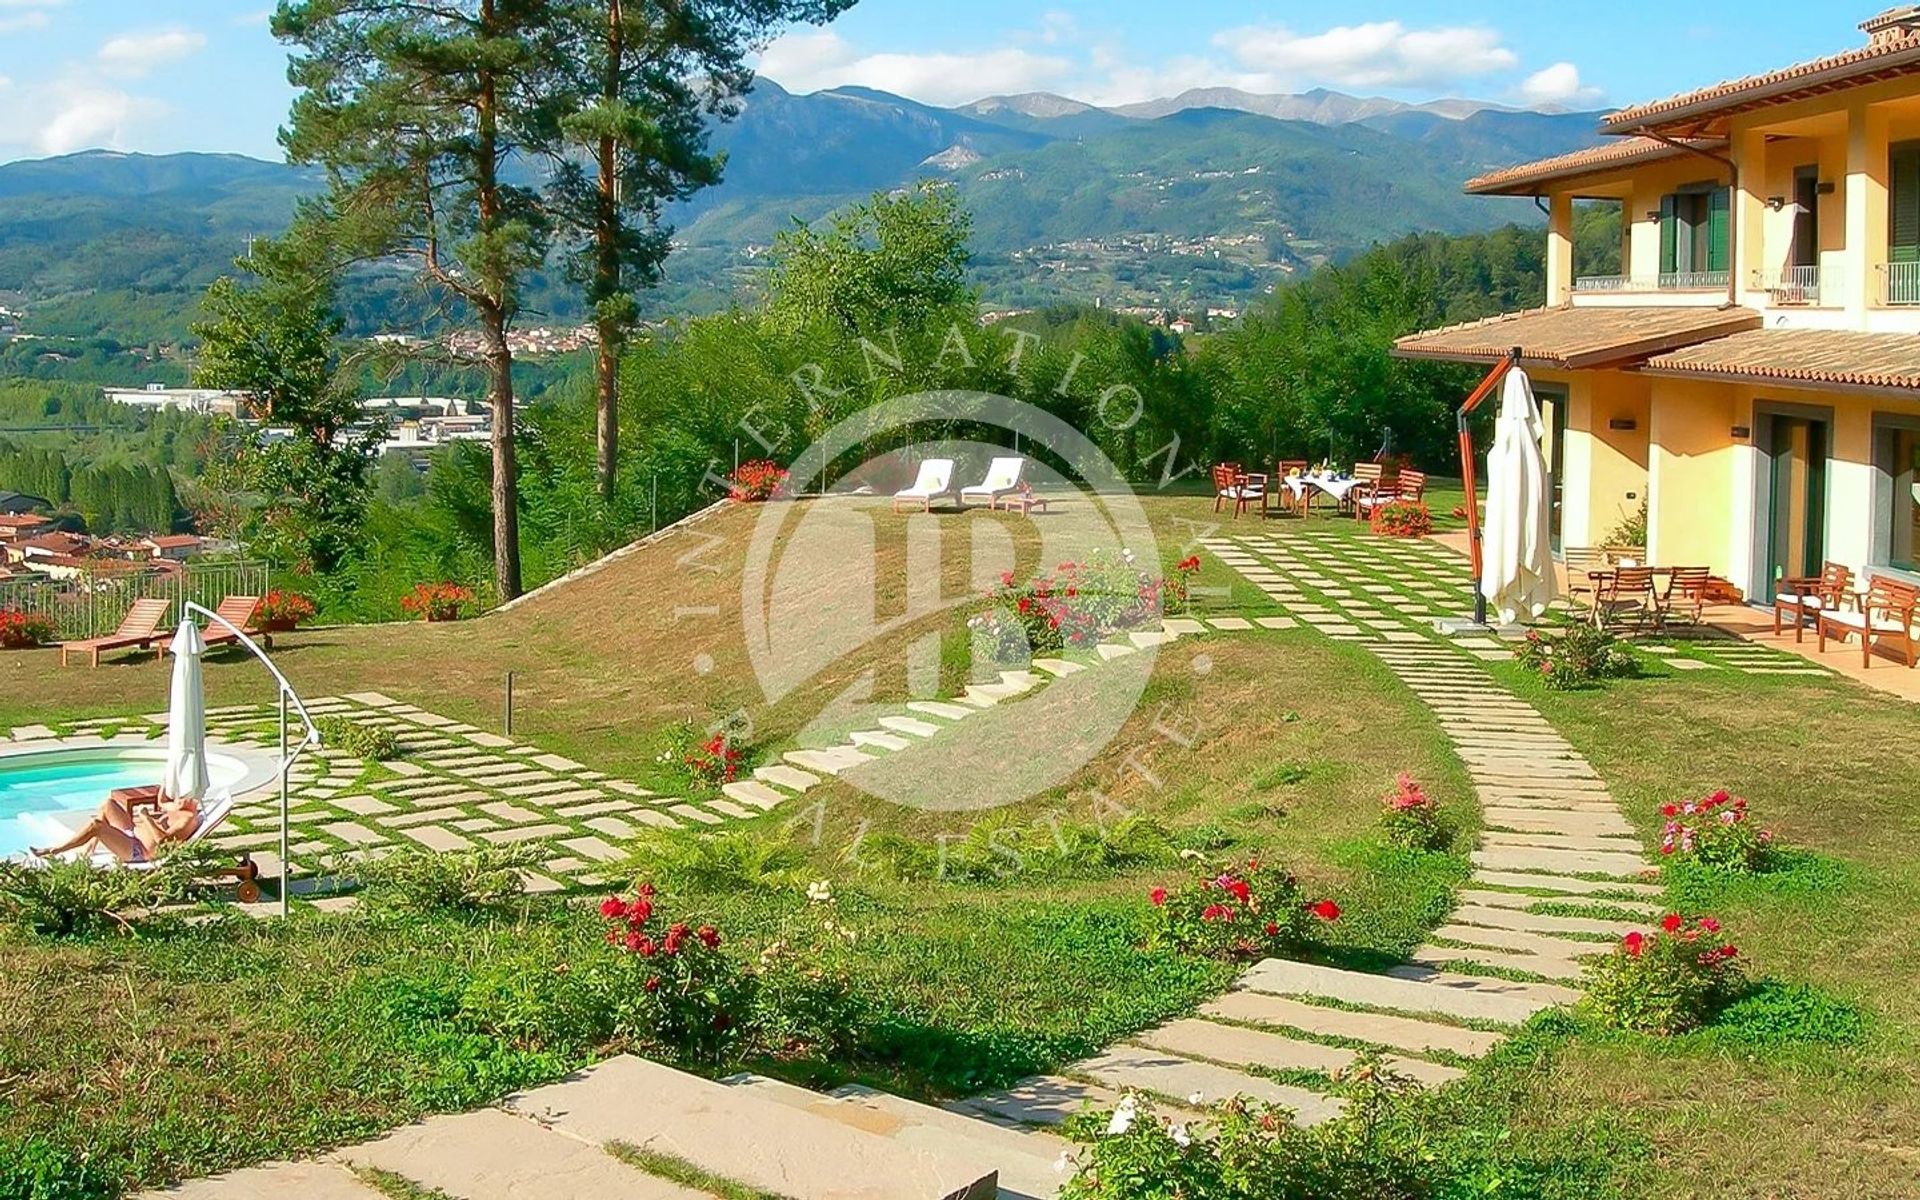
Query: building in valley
[[1752, 370]]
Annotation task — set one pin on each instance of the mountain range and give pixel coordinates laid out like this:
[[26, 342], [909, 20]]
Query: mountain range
[[1200, 200]]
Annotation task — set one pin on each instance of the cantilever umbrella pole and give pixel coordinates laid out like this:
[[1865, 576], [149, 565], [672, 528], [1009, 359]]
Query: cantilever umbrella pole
[[1473, 401]]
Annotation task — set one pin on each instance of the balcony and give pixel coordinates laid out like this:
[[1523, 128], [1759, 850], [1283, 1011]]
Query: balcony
[[1900, 284], [1682, 281], [1796, 285]]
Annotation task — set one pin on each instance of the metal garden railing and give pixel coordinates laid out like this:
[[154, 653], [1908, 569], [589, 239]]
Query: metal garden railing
[[94, 604]]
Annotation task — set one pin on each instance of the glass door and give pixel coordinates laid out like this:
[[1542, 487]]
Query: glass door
[[1797, 464], [1554, 400]]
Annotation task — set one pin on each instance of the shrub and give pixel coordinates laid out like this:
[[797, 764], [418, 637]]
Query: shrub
[[69, 899], [534, 1007], [366, 741], [1080, 602], [20, 630], [1256, 1151], [1578, 658], [1412, 817], [732, 860], [675, 992], [461, 881], [1179, 591], [1715, 832], [1245, 911], [438, 601], [1402, 518], [999, 639], [806, 1003], [1667, 981], [754, 482], [36, 1169], [705, 759], [283, 610]]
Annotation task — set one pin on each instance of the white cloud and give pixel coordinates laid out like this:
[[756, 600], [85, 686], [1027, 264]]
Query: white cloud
[[17, 16], [810, 61], [70, 115], [135, 54], [1378, 54], [1558, 84], [257, 19]]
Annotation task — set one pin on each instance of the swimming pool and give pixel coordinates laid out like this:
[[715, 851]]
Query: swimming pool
[[39, 788]]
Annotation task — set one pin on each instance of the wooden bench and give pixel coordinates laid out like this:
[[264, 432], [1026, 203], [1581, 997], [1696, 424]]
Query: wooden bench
[[1810, 595], [1883, 611]]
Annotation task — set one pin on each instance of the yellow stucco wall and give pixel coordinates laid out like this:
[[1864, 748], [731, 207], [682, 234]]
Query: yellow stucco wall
[[1691, 521], [1604, 470]]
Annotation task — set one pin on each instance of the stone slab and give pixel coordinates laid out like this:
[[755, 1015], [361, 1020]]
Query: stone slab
[[354, 832], [1532, 858], [1399, 1033], [437, 837], [1613, 844], [512, 814], [941, 709], [307, 1180], [592, 848], [1565, 884], [613, 827], [1043, 1100], [753, 794], [1133, 1067], [1454, 957], [1460, 997], [909, 725], [526, 833], [1502, 917], [1233, 1044]]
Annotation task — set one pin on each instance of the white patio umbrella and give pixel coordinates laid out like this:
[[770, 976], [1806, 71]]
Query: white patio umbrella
[[1517, 565], [186, 776]]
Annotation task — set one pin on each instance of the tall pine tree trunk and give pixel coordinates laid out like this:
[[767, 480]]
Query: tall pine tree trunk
[[493, 325], [612, 328]]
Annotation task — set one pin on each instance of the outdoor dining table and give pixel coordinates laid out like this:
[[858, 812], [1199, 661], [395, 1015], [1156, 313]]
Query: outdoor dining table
[[1598, 582], [1337, 486]]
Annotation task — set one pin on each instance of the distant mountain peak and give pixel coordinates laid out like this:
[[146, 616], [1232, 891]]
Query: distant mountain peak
[[1045, 105]]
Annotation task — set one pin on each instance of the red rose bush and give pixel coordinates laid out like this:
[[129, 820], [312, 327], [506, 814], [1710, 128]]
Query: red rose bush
[[1716, 831], [1244, 911], [1666, 980]]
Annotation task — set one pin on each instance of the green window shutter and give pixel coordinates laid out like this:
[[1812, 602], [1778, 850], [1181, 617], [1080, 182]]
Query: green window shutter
[[1669, 235], [1719, 211], [1903, 203]]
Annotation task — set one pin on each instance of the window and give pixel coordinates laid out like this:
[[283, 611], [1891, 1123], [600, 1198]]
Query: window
[[1806, 216], [1903, 223], [1899, 515], [1693, 234]]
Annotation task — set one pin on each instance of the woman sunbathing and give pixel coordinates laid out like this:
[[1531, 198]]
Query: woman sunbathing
[[124, 827]]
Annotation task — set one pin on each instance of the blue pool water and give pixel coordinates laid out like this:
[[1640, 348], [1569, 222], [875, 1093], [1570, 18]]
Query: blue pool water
[[34, 787]]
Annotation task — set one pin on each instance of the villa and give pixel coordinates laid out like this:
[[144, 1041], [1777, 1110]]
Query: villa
[[1752, 372]]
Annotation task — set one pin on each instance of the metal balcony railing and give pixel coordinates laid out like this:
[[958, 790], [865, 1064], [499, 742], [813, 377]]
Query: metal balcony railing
[[1900, 283], [1683, 281], [1794, 285], [1692, 281]]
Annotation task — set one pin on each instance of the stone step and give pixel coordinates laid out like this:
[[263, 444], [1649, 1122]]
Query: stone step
[[1555, 821], [1458, 996], [746, 1138], [753, 793], [494, 1155], [827, 762], [307, 1180], [1042, 1100], [1234, 1045], [1170, 1075], [1450, 957], [1379, 1029], [1521, 941], [1566, 841], [1534, 858], [1565, 884], [1025, 1161], [1507, 918], [1515, 900]]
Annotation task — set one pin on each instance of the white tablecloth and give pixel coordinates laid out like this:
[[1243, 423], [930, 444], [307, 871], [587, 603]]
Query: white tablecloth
[[1331, 485]]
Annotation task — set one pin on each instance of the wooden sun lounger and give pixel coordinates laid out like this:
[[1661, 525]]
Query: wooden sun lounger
[[140, 629], [240, 610]]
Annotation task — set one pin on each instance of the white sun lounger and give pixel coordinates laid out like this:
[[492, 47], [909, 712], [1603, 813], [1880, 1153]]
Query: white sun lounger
[[1003, 477], [214, 810], [935, 482]]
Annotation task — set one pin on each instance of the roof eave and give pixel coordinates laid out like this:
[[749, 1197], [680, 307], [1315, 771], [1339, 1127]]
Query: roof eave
[[1686, 118], [1783, 382]]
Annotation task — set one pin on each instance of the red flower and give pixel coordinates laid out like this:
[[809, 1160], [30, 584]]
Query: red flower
[[1326, 910], [1670, 810], [1158, 896], [645, 947], [1729, 951], [1273, 929], [1240, 890], [1216, 912], [1634, 943], [1671, 922], [635, 940], [709, 936], [644, 890], [640, 911], [613, 908], [1709, 924], [653, 983]]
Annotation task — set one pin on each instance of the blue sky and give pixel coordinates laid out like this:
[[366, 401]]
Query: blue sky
[[166, 75]]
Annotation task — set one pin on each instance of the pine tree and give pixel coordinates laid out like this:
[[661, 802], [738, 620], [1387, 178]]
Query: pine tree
[[417, 111]]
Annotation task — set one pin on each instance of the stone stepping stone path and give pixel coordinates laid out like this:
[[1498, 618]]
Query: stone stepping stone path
[[1554, 836]]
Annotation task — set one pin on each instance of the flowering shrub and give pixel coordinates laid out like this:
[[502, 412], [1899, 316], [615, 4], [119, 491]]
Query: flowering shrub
[[998, 638], [1666, 981], [1412, 818], [281, 611], [23, 630], [1402, 518], [757, 481], [710, 758], [1715, 832], [685, 997], [438, 601], [1179, 590], [1243, 912], [1255, 1151], [1079, 603], [1577, 658]]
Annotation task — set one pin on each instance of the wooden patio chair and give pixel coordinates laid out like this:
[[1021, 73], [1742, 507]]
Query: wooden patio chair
[[140, 629], [1686, 597], [1884, 611], [1233, 486], [1282, 496], [240, 610], [1807, 596], [1370, 478], [1625, 590], [1408, 485]]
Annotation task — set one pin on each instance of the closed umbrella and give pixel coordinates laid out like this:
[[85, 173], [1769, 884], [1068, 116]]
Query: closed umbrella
[[1517, 568], [186, 777]]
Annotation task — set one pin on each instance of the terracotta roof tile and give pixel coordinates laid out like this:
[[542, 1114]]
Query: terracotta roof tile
[[1572, 338], [1894, 49], [1833, 357], [1523, 179]]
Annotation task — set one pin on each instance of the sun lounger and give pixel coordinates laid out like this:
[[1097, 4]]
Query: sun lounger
[[213, 812], [240, 610], [141, 629], [1003, 476], [935, 482]]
